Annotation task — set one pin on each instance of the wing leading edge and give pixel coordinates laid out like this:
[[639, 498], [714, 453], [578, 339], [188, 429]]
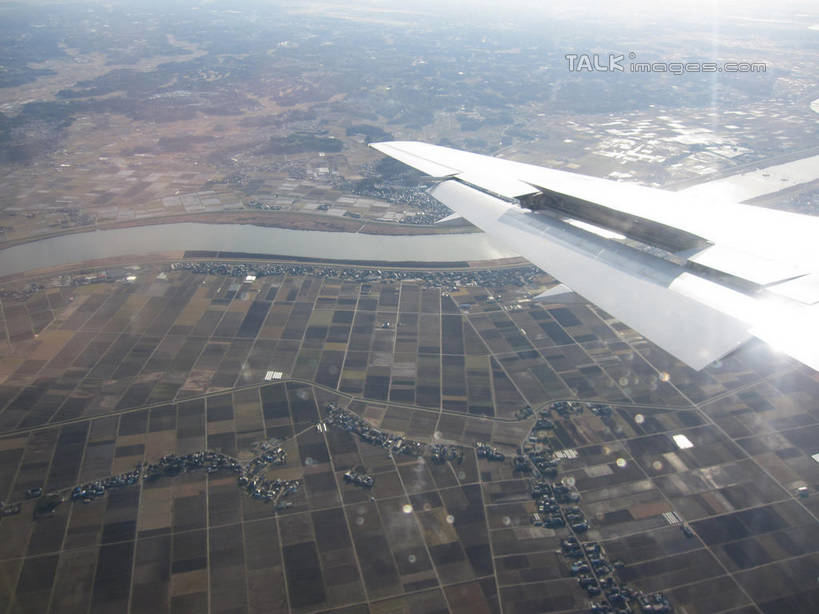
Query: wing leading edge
[[697, 279]]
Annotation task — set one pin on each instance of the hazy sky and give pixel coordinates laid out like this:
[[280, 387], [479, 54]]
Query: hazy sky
[[628, 11]]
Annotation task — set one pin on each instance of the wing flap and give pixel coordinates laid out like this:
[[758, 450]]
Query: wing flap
[[753, 267], [803, 289], [631, 289], [561, 294], [505, 186]]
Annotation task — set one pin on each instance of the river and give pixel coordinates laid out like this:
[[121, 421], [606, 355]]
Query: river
[[80, 247]]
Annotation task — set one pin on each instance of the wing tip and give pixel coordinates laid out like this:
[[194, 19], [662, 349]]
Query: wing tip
[[416, 155]]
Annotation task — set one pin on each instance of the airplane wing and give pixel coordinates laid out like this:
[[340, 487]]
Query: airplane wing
[[759, 182], [697, 276]]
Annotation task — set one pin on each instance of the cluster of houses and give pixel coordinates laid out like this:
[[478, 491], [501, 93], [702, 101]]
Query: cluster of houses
[[394, 444], [250, 476]]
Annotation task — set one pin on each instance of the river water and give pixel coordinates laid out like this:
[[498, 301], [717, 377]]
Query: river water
[[67, 249]]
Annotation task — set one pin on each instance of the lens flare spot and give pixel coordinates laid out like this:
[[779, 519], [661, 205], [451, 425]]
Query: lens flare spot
[[407, 508], [621, 462], [664, 377], [657, 465], [639, 418], [411, 558], [450, 519]]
